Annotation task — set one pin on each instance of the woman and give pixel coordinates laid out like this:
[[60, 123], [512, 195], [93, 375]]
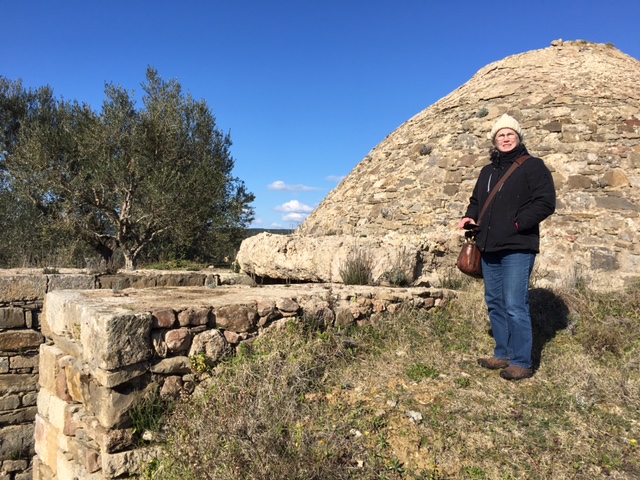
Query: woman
[[509, 239]]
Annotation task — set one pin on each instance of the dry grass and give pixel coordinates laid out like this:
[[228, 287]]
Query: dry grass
[[405, 399]]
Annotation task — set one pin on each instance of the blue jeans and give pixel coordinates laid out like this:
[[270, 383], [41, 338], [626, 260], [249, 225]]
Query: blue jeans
[[506, 291]]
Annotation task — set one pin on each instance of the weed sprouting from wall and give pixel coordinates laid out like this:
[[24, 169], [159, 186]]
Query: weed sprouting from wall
[[399, 274], [149, 412], [357, 268]]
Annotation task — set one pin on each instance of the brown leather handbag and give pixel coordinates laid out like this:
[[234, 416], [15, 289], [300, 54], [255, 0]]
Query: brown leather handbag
[[469, 259]]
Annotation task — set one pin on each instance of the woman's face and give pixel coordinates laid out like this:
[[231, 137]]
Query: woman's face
[[506, 140]]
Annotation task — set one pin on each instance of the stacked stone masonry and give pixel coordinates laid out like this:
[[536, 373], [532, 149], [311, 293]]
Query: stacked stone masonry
[[21, 299], [79, 350]]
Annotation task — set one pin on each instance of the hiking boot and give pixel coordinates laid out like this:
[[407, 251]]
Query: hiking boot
[[516, 373], [493, 363]]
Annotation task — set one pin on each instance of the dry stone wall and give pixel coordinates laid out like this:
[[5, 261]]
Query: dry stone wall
[[105, 350], [19, 343], [21, 298], [579, 105]]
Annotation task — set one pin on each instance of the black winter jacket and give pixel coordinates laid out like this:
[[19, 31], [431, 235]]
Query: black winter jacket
[[512, 221]]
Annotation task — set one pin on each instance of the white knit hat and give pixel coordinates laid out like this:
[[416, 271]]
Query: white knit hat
[[505, 121]]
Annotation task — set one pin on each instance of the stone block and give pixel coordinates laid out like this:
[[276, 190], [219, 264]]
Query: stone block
[[181, 280], [71, 282], [163, 318], [141, 280], [111, 407], [615, 178], [109, 440], [55, 410], [578, 182], [113, 378], [13, 466], [287, 305], [67, 466], [62, 314], [115, 340], [44, 396], [22, 288], [40, 470], [24, 361], [237, 318], [159, 345], [12, 317], [31, 319], [232, 338], [194, 316], [603, 259], [92, 461], [26, 475], [344, 316], [116, 282], [212, 343], [18, 383], [172, 366], [29, 399], [127, 463], [16, 440], [14, 340], [76, 378], [171, 387], [46, 443], [616, 203], [9, 402], [178, 340], [49, 366], [16, 417], [4, 365]]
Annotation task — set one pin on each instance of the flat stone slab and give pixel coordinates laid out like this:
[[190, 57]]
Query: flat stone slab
[[144, 300]]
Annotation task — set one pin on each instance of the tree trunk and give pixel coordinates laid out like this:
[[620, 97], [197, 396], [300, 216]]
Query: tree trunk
[[129, 261]]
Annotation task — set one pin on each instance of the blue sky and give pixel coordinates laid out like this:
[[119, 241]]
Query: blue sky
[[305, 88]]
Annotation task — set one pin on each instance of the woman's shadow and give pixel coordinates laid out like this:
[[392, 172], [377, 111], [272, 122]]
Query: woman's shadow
[[549, 314]]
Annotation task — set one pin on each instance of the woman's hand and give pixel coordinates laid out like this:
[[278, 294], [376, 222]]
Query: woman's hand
[[464, 221]]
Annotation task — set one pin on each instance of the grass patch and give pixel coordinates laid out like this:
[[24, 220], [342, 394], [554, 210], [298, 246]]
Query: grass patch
[[312, 403], [149, 413], [186, 265]]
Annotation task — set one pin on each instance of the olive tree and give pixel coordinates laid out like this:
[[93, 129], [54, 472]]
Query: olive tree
[[131, 176]]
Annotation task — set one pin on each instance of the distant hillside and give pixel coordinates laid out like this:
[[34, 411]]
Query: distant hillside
[[276, 231]]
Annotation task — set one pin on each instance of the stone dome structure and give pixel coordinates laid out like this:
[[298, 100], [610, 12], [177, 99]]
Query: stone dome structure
[[579, 105]]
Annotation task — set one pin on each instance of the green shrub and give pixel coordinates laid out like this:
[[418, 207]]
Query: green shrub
[[399, 274], [357, 268], [398, 277], [187, 265]]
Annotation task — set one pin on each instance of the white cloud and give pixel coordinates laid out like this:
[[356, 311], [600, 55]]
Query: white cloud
[[283, 187], [295, 217], [294, 206], [335, 178]]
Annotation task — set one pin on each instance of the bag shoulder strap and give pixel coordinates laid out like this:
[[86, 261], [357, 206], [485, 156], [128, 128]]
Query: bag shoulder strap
[[516, 163]]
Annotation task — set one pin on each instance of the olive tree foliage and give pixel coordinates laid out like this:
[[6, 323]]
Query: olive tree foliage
[[27, 235], [156, 177]]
